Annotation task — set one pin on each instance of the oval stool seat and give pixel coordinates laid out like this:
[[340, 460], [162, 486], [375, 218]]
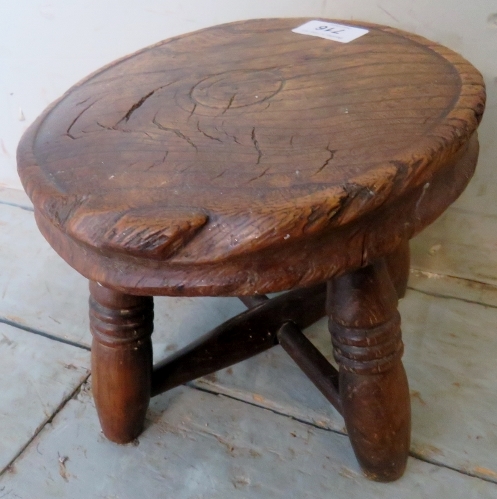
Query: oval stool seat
[[244, 159], [195, 165]]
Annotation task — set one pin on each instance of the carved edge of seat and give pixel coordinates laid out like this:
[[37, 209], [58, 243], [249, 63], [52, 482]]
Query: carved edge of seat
[[312, 214], [319, 259]]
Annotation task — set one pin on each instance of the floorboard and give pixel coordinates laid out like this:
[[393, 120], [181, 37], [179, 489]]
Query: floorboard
[[37, 376], [199, 445]]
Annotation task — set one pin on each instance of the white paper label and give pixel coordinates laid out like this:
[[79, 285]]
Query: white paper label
[[330, 31]]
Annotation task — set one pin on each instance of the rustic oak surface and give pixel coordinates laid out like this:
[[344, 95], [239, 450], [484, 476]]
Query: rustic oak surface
[[365, 329], [182, 165]]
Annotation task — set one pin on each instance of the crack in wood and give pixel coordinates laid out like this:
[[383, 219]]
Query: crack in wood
[[259, 176], [220, 175], [206, 134], [155, 163], [327, 162], [175, 131], [140, 103], [256, 145], [230, 136], [83, 101], [135, 106], [68, 132], [192, 111], [229, 103]]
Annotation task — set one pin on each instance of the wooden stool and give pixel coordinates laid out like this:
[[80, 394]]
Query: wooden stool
[[245, 159]]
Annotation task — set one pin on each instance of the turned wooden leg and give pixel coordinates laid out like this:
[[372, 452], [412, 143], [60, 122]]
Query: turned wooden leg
[[121, 326], [398, 264], [365, 328]]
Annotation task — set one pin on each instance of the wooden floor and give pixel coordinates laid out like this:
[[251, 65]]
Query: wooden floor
[[259, 429]]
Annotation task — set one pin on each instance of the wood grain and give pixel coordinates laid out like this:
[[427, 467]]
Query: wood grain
[[398, 265], [121, 358], [365, 328], [187, 162]]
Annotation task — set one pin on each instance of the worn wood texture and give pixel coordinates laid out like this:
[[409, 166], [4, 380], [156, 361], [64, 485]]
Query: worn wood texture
[[37, 376], [121, 358], [200, 445], [398, 265], [365, 328], [57, 306], [188, 171]]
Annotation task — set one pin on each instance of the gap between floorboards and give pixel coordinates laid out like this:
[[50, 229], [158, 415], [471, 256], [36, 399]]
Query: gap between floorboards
[[413, 454], [38, 332], [48, 421]]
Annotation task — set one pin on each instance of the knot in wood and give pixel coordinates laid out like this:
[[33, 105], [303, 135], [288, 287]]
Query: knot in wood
[[367, 351], [237, 89]]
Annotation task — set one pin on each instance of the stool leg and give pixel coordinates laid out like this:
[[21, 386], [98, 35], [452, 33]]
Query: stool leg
[[398, 264], [365, 328], [121, 326]]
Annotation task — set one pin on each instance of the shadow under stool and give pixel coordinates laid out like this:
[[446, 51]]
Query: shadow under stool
[[247, 159]]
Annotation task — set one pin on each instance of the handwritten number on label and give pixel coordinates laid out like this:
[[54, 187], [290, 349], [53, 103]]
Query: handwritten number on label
[[330, 29]]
